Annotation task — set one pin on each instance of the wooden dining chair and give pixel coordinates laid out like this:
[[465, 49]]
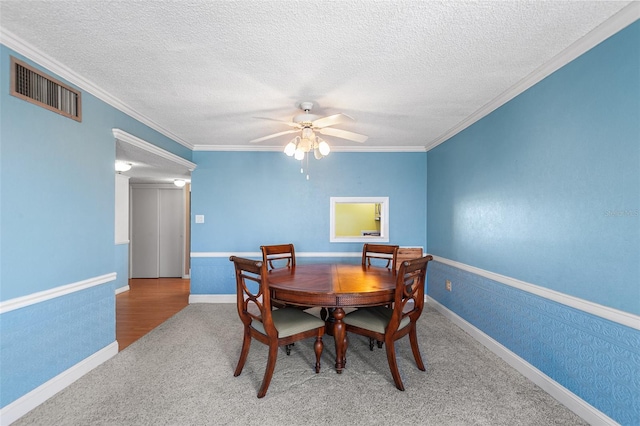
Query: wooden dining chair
[[407, 253], [379, 254], [387, 324], [278, 256], [274, 328]]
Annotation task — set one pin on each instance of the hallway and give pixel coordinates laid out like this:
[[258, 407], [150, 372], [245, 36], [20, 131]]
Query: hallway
[[148, 303]]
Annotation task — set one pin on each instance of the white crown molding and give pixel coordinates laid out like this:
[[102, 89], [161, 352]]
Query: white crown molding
[[13, 42], [254, 148], [616, 23], [123, 136], [42, 296], [567, 398], [615, 315]]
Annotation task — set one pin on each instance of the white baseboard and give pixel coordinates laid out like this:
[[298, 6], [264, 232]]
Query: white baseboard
[[122, 289], [567, 398], [212, 298], [18, 408]]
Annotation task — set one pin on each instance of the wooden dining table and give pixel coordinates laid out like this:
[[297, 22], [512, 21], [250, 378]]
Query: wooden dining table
[[335, 287]]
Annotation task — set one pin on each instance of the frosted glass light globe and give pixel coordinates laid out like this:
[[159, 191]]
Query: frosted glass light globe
[[290, 148], [324, 148]]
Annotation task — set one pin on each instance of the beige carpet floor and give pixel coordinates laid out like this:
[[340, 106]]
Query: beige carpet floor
[[182, 374]]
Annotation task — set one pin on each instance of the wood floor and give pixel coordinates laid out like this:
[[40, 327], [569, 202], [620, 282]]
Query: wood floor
[[147, 304]]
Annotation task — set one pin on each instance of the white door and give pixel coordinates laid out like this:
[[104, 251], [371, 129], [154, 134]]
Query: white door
[[144, 233], [170, 226], [156, 232]]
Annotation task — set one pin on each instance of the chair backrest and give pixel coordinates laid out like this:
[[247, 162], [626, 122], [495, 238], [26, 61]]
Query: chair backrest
[[380, 253], [279, 255], [253, 297], [409, 296], [407, 253]]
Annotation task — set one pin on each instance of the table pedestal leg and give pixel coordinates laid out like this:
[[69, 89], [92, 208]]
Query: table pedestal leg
[[340, 336]]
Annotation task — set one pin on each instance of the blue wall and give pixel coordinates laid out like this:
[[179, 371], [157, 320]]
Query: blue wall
[[57, 225], [546, 190], [255, 198]]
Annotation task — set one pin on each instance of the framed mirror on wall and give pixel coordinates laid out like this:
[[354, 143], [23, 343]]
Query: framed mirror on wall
[[359, 219]]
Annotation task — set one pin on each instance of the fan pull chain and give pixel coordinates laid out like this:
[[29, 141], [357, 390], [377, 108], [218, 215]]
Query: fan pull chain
[[302, 166]]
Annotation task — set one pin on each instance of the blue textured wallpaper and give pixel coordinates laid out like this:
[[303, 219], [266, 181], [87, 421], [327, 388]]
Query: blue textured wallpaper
[[546, 189], [42, 340], [596, 359], [255, 198]]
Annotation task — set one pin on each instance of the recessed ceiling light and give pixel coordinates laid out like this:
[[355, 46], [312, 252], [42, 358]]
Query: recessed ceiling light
[[121, 166]]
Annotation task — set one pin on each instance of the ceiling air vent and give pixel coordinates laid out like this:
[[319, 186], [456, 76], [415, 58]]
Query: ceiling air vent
[[34, 86]]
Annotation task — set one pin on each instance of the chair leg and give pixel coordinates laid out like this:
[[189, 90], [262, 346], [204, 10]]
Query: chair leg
[[371, 342], [393, 364], [287, 348], [380, 343], [246, 343], [268, 372], [345, 345], [318, 346], [324, 314], [413, 338]]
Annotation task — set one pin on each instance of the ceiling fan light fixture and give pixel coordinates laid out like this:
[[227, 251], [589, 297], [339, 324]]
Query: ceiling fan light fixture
[[310, 126]]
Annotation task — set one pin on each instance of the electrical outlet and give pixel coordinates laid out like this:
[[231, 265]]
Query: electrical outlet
[[447, 285]]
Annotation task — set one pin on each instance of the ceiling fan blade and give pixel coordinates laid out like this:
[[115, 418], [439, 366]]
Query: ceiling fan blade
[[287, 123], [331, 120], [344, 134], [275, 135]]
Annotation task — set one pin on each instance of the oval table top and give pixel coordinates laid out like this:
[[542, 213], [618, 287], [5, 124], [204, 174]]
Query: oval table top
[[333, 285]]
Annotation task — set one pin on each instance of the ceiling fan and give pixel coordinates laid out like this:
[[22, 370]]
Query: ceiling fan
[[308, 125]]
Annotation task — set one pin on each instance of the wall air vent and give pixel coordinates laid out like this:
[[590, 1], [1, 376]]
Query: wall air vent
[[34, 86]]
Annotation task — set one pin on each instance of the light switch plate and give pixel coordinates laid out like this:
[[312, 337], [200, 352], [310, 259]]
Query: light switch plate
[[199, 218]]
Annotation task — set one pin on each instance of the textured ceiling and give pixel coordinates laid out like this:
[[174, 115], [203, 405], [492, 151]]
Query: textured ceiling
[[204, 72]]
